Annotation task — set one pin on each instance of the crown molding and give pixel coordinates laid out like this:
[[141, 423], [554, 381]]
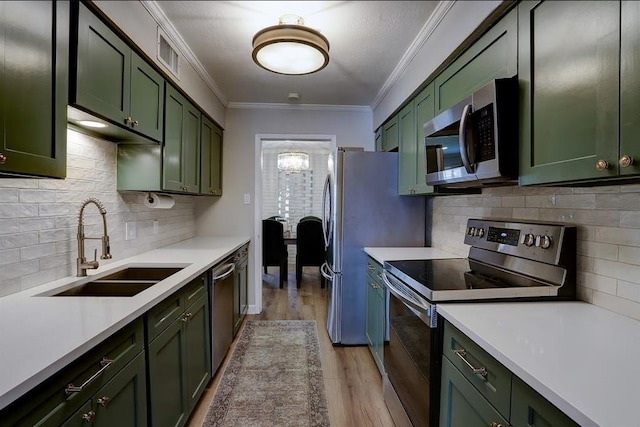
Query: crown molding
[[304, 107], [429, 27], [161, 19]]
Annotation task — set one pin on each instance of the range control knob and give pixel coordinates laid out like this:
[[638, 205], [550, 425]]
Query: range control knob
[[528, 239], [480, 232], [471, 231], [544, 242]]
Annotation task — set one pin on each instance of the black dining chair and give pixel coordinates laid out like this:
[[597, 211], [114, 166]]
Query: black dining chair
[[274, 251], [310, 250]]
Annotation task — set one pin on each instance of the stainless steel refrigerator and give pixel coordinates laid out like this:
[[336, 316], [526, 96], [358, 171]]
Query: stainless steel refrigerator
[[361, 208]]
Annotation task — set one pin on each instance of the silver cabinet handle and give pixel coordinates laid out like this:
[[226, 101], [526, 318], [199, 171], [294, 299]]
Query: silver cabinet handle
[[494, 424], [89, 416], [105, 363], [602, 165], [135, 123], [127, 120], [186, 317], [103, 401], [3, 159], [461, 353]]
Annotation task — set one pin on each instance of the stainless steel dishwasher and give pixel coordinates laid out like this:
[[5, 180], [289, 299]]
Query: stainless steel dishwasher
[[221, 311]]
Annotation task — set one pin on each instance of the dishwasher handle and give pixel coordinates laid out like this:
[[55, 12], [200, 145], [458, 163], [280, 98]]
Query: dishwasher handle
[[217, 275]]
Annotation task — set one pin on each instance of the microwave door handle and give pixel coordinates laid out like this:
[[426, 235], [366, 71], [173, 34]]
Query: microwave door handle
[[462, 139]]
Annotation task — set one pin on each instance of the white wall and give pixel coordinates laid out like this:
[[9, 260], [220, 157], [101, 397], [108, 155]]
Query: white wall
[[228, 215], [460, 21]]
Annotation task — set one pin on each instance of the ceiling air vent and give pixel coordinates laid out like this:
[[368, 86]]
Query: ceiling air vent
[[167, 54]]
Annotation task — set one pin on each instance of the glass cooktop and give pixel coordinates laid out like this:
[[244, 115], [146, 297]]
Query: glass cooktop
[[455, 279]]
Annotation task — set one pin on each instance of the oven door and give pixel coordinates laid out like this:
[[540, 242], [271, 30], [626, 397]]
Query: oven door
[[413, 356]]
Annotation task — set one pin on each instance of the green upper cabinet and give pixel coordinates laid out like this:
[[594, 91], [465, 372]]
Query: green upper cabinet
[[630, 88], [378, 139], [569, 77], [211, 158], [34, 87], [411, 149], [494, 55], [390, 134], [181, 163], [113, 82]]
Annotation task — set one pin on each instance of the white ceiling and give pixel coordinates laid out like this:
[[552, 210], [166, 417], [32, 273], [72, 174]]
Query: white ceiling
[[368, 40]]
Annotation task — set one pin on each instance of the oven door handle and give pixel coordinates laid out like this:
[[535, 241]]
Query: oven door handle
[[423, 309]]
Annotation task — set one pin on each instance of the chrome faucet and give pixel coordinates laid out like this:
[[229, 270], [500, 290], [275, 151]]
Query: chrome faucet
[[82, 263]]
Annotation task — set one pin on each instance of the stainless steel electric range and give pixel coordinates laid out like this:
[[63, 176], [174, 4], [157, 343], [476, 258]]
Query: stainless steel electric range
[[508, 261]]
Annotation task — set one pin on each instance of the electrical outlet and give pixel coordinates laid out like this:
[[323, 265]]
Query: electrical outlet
[[247, 199], [155, 226], [130, 230]]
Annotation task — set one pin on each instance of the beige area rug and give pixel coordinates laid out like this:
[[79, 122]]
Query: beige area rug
[[274, 378]]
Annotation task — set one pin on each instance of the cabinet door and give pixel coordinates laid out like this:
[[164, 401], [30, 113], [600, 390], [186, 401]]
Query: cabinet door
[[494, 55], [630, 87], [34, 44], [390, 134], [244, 283], [172, 166], [123, 401], [166, 377], [407, 150], [378, 139], [425, 111], [191, 149], [530, 409], [103, 70], [196, 350], [460, 403], [237, 317], [83, 416], [147, 99], [568, 76], [211, 158]]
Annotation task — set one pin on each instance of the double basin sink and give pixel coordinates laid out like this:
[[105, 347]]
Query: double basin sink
[[123, 283]]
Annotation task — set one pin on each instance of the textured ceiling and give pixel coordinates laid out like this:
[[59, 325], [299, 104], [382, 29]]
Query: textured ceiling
[[368, 40]]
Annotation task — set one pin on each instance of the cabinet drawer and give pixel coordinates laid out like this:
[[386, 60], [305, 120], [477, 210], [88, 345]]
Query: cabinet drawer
[[194, 290], [163, 314], [530, 409], [494, 383], [50, 404]]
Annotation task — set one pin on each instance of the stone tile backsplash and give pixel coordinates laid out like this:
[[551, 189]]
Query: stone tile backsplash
[[39, 217], [608, 220]]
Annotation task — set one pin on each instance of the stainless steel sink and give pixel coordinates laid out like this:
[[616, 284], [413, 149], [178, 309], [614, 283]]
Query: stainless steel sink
[[124, 283]]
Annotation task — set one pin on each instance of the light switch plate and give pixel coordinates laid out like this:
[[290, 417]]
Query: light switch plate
[[247, 199], [130, 230], [155, 226]]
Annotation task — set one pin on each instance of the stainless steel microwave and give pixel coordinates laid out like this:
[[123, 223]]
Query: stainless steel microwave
[[475, 142]]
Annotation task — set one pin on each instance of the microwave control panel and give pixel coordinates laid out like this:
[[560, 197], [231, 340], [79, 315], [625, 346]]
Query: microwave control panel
[[482, 120]]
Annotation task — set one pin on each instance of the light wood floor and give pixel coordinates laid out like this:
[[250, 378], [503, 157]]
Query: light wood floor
[[353, 385]]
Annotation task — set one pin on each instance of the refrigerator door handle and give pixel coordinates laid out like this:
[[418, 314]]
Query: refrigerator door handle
[[326, 222], [326, 272]]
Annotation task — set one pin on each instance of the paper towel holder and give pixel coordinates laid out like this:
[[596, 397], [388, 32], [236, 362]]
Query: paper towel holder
[[158, 201]]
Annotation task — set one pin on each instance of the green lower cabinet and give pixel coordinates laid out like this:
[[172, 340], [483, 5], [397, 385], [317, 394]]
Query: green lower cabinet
[[34, 57], [240, 283], [83, 416], [461, 405], [529, 409], [374, 321], [166, 377], [197, 357], [180, 365], [569, 77]]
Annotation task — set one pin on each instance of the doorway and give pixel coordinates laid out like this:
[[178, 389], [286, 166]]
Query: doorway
[[287, 195]]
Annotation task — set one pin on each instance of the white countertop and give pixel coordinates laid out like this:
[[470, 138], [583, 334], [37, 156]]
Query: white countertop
[[582, 358], [395, 254], [39, 335]]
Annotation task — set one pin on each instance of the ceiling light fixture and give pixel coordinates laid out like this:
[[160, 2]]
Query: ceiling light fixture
[[290, 47], [293, 161]]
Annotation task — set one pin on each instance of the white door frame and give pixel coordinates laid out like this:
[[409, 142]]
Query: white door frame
[[257, 226]]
